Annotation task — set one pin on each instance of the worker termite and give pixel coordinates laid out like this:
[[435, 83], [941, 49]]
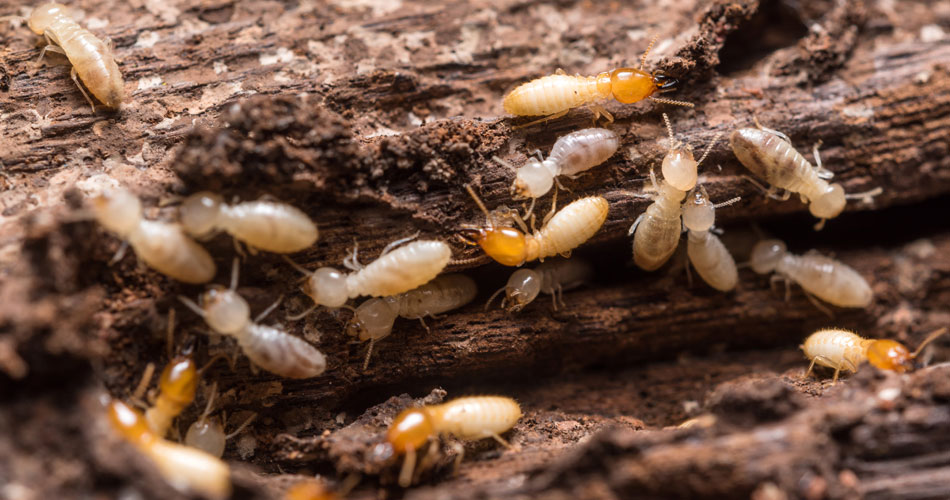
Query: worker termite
[[561, 233], [656, 232], [373, 320], [819, 276], [707, 254], [554, 95], [92, 60], [571, 155], [185, 468], [843, 350], [769, 155], [551, 277], [394, 272], [207, 433], [163, 246], [269, 347], [468, 418], [267, 225]]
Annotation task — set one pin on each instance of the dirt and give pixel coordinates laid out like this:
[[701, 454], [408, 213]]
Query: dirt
[[373, 116]]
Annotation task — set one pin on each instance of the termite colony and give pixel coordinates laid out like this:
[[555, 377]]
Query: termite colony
[[406, 279]]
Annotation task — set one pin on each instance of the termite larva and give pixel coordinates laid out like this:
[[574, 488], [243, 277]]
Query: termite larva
[[468, 418], [269, 347], [185, 468], [562, 233], [394, 272], [551, 277], [571, 155], [163, 246], [92, 60], [554, 95], [843, 350], [769, 155], [267, 225], [707, 254], [207, 433], [819, 276]]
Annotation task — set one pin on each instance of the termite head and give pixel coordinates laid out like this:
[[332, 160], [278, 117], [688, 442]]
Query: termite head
[[129, 423], [179, 380], [207, 434], [118, 210], [890, 355], [766, 255], [327, 287], [504, 244], [410, 430], [373, 319], [629, 85], [225, 311], [679, 167], [829, 204], [199, 213], [533, 179], [699, 214], [523, 287], [43, 16]]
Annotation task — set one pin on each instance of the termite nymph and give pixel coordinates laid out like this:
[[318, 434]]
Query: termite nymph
[[267, 225], [707, 254], [185, 468], [269, 347], [92, 60], [468, 418], [844, 350], [207, 433], [551, 277], [562, 232], [554, 95], [163, 246]]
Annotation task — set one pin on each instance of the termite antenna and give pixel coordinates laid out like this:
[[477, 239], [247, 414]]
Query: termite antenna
[[195, 308], [708, 149], [866, 195], [930, 338], [504, 163], [481, 205], [170, 333], [673, 102], [727, 202], [241, 428], [643, 58], [492, 298], [298, 267], [234, 273], [669, 128]]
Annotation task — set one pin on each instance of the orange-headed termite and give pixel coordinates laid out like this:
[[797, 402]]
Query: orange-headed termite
[[843, 350], [707, 254], [551, 277], [92, 60], [267, 225]]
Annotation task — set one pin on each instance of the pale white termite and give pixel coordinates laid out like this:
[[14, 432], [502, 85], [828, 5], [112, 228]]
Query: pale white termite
[[656, 232], [551, 277], [571, 155], [207, 433], [269, 347], [707, 254], [820, 276], [468, 418], [769, 155], [373, 320], [844, 350], [267, 225], [92, 60], [163, 246], [395, 271]]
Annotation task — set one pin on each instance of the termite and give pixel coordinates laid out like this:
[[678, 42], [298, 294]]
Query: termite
[[267, 225], [656, 232], [551, 277], [843, 350], [571, 155], [177, 387], [769, 155], [373, 320], [269, 347], [820, 276], [559, 235], [554, 95], [92, 60], [395, 271], [309, 490], [163, 246], [185, 468], [468, 419], [707, 254], [207, 433]]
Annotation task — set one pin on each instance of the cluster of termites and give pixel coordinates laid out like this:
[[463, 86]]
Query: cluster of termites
[[405, 280]]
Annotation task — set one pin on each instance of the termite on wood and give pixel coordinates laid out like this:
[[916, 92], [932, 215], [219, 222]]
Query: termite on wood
[[571, 155], [373, 320], [267, 225], [769, 155], [269, 347], [707, 254], [185, 468], [551, 277], [207, 433], [844, 350], [561, 233], [92, 60], [820, 276], [468, 418], [554, 95], [163, 246]]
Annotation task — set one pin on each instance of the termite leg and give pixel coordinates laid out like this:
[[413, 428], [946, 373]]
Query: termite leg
[[424, 325], [239, 249], [537, 152], [820, 224], [821, 307], [769, 192], [352, 262], [599, 110], [269, 309], [555, 116], [75, 77], [408, 467], [823, 173], [301, 315], [241, 427], [50, 46], [143, 384], [633, 227], [530, 210], [550, 214], [119, 253], [689, 274], [459, 450], [834, 380], [810, 368]]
